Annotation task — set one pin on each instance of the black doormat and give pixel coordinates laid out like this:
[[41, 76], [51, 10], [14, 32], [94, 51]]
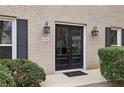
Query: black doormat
[[74, 73]]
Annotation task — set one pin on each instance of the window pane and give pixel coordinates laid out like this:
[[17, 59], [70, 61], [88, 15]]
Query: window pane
[[5, 52], [5, 32], [114, 37]]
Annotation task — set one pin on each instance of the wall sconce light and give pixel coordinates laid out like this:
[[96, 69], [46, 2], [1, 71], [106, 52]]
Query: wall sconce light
[[46, 28], [95, 32]]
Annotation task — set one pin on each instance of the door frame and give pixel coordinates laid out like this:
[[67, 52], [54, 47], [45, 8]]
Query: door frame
[[84, 45]]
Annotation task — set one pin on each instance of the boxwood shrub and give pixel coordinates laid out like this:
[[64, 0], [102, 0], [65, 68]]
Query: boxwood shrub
[[112, 63], [6, 80], [4, 69], [12, 65], [29, 74], [25, 72]]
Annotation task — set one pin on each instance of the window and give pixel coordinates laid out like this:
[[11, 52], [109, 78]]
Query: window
[[115, 36], [7, 38]]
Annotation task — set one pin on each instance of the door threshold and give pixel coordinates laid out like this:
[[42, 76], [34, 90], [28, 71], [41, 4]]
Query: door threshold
[[62, 71]]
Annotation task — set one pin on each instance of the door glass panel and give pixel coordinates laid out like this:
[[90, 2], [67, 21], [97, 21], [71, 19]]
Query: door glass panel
[[5, 32], [113, 37], [76, 41], [62, 39], [69, 47]]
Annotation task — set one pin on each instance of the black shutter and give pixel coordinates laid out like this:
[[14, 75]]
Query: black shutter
[[107, 36], [22, 38], [122, 37]]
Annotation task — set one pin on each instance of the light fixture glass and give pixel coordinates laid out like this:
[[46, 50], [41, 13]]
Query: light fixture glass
[[46, 28], [95, 32]]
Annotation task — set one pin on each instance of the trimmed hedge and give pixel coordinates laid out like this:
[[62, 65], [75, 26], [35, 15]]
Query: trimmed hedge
[[25, 72], [112, 63]]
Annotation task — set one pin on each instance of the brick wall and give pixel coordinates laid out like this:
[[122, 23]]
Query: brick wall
[[44, 53]]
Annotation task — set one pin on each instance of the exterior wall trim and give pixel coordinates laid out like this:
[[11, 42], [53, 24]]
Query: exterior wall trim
[[7, 16], [14, 38], [70, 23], [84, 44]]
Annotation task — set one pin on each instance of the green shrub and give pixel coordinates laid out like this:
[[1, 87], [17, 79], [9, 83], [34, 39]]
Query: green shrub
[[4, 69], [112, 63], [118, 70], [12, 65], [6, 80], [24, 72], [29, 74]]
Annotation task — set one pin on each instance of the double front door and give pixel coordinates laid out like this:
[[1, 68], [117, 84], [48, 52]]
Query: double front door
[[69, 47]]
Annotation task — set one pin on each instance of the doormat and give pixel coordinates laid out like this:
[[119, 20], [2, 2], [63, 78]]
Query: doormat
[[74, 73]]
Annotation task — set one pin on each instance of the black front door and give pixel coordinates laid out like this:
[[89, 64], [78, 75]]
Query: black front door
[[69, 47]]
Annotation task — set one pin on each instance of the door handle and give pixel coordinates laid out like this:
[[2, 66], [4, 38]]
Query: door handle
[[68, 50]]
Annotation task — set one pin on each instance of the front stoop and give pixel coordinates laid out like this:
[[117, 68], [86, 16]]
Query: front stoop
[[60, 80]]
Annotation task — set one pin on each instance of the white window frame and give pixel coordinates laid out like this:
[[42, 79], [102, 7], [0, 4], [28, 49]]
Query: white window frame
[[14, 36], [119, 36]]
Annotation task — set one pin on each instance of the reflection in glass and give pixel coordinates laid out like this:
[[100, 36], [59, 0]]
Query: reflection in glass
[[113, 37], [5, 52], [76, 41], [62, 35], [5, 32]]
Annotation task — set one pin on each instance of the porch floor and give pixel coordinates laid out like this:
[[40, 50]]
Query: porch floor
[[60, 80]]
